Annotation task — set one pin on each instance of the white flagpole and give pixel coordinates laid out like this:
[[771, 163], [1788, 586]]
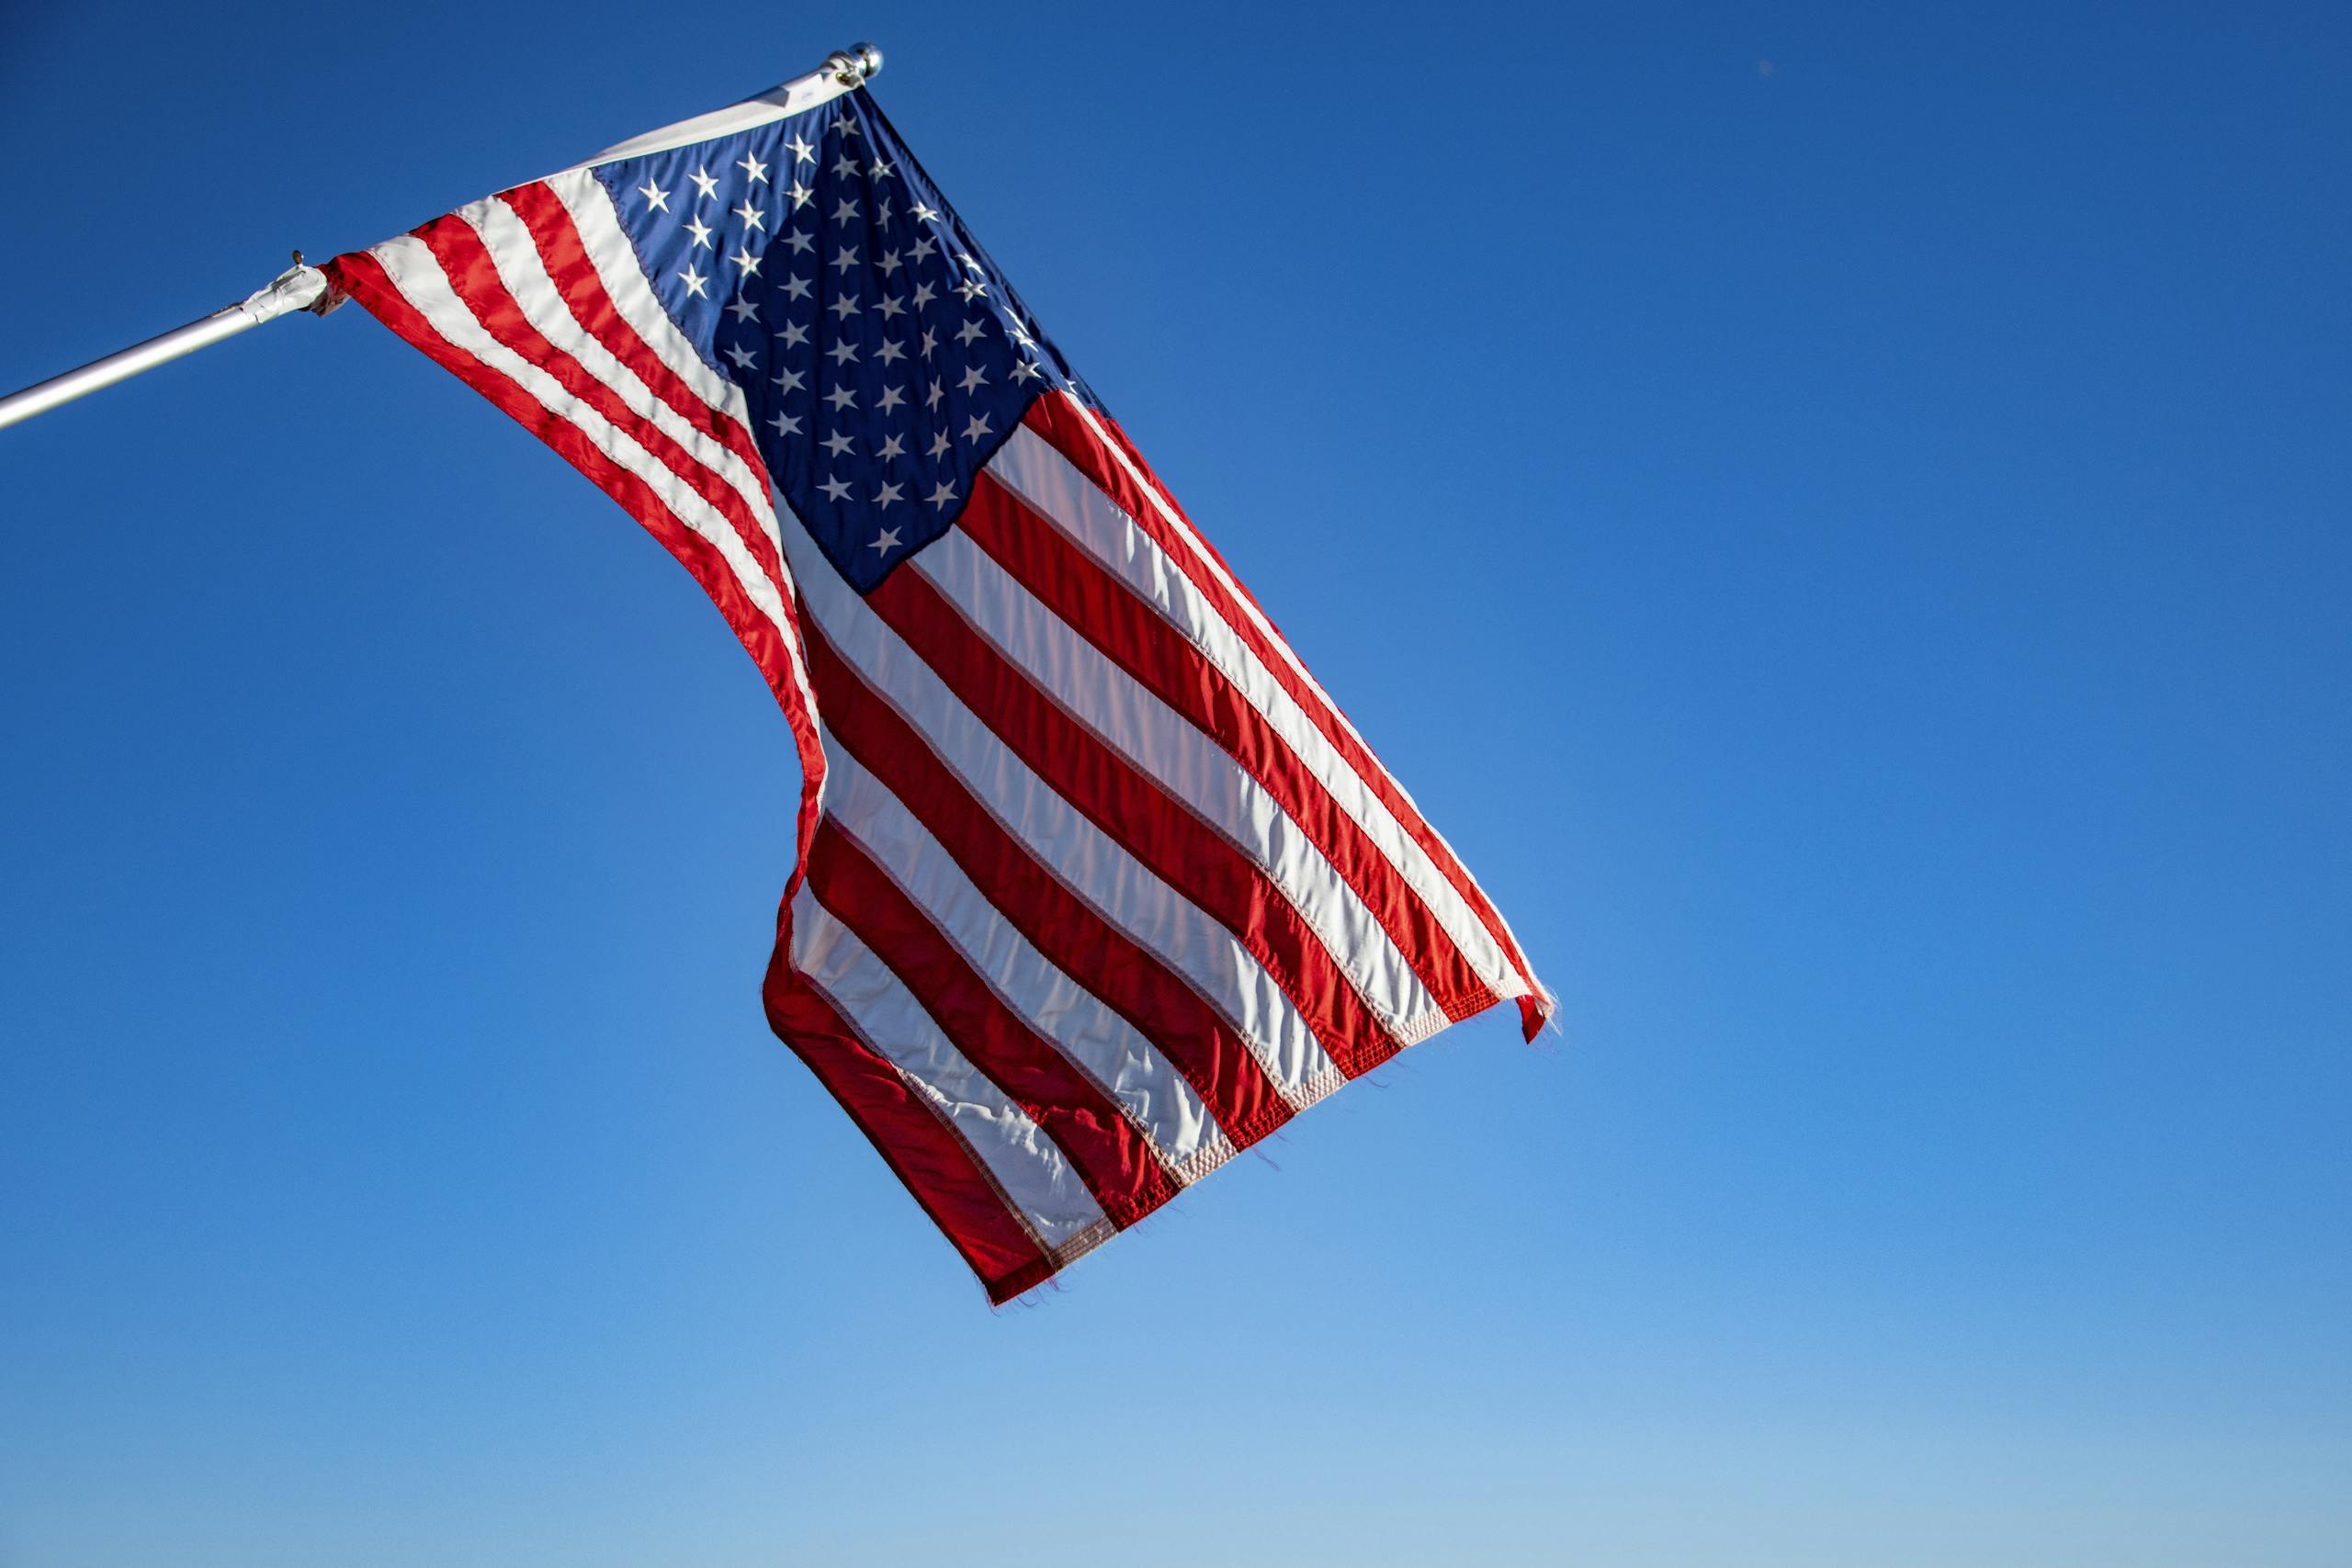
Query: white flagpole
[[297, 287], [301, 288]]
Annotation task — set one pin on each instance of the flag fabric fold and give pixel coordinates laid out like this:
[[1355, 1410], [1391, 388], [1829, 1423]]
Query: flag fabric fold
[[1095, 884]]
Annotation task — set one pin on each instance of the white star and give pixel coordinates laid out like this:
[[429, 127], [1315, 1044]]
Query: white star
[[924, 249], [837, 443], [843, 351], [700, 231], [846, 125], [845, 306], [742, 310], [845, 258], [888, 539], [796, 288], [751, 166], [943, 495], [746, 260], [892, 350], [890, 305], [1026, 371], [930, 341], [656, 199], [971, 288], [845, 211], [924, 294], [790, 380], [694, 281], [785, 424], [845, 167], [799, 194], [842, 397], [925, 214], [932, 395], [889, 264], [741, 358], [891, 398], [751, 215], [835, 489], [976, 428], [704, 186], [883, 214], [894, 447], [801, 152], [940, 445], [881, 171], [970, 331], [963, 258], [975, 377], [798, 241], [1020, 334], [793, 334]]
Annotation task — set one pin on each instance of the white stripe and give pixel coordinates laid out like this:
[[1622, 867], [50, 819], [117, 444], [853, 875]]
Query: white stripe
[[417, 274], [1029, 466], [614, 258], [524, 272], [1101, 1044], [613, 255], [1207, 557], [615, 263], [1030, 1168], [1167, 748], [1119, 888], [796, 96]]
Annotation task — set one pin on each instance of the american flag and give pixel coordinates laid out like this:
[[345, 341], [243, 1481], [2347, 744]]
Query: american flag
[[1096, 887]]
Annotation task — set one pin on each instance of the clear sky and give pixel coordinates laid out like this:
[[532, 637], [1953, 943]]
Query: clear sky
[[1839, 512]]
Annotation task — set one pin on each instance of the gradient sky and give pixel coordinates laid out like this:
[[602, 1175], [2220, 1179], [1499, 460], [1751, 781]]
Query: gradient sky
[[1839, 512]]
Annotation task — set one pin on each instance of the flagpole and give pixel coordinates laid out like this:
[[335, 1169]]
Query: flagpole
[[297, 287], [303, 288]]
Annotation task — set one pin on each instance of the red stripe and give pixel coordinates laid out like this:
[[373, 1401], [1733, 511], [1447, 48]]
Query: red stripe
[[927, 1156], [566, 255], [474, 276], [1056, 420], [1180, 848], [363, 277], [1111, 1156], [918, 1145], [1196, 1040], [1102, 609]]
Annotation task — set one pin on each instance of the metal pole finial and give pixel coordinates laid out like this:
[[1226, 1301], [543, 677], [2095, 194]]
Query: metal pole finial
[[854, 66]]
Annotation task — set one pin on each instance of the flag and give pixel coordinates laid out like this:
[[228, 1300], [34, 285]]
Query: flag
[[1095, 885]]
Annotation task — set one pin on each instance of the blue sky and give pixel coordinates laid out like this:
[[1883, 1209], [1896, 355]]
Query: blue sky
[[1837, 515]]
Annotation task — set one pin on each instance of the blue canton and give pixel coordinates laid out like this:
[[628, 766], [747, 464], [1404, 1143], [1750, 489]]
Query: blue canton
[[882, 357]]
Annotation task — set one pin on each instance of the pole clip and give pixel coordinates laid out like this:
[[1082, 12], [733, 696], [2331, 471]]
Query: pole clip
[[300, 288]]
